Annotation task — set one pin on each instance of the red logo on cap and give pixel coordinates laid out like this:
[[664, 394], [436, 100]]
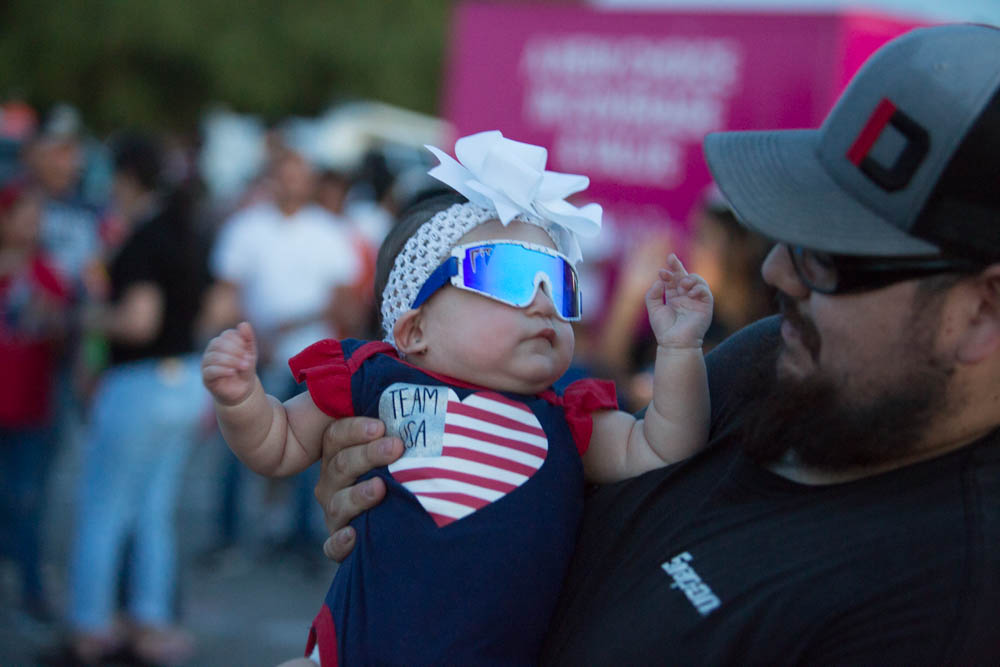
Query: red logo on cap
[[897, 175], [871, 131]]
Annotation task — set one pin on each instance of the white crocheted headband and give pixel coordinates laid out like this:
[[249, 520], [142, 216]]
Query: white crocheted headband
[[503, 180]]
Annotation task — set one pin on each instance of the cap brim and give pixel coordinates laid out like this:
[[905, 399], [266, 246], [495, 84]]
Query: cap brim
[[776, 186]]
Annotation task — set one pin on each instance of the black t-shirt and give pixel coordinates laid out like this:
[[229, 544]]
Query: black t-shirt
[[715, 560], [165, 252]]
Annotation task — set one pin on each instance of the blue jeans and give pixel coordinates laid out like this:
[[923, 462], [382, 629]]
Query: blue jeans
[[142, 425], [25, 458]]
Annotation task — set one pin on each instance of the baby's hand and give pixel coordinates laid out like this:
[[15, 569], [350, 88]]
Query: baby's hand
[[228, 365], [680, 306]]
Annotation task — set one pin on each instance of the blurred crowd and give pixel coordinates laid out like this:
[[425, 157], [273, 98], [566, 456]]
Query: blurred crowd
[[116, 266], [119, 260]]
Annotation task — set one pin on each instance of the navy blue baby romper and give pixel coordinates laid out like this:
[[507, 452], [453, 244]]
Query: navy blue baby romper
[[463, 560]]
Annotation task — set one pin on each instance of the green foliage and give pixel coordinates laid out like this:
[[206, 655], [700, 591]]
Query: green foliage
[[158, 64]]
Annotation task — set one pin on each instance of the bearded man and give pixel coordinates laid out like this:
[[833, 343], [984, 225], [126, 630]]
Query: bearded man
[[847, 508]]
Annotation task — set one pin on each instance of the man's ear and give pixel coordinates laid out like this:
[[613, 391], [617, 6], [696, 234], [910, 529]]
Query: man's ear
[[982, 338], [409, 334]]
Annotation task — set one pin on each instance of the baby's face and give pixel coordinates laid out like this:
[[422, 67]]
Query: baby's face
[[480, 340]]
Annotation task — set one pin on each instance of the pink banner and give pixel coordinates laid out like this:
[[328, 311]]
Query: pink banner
[[626, 98]]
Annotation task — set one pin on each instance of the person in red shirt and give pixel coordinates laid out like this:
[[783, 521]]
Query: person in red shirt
[[33, 304]]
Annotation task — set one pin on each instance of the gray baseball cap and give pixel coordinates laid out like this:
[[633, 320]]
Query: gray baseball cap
[[906, 164]]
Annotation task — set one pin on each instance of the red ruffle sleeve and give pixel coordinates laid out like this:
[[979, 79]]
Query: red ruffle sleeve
[[326, 374], [580, 400]]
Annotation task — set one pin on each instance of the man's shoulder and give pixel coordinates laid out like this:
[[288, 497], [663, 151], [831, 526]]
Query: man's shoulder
[[983, 571], [740, 369], [982, 488]]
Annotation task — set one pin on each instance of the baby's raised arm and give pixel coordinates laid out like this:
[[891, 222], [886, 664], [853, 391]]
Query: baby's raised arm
[[271, 438], [676, 422]]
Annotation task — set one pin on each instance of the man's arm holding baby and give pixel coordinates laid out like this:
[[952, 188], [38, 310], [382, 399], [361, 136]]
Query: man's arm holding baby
[[271, 438], [676, 422], [352, 446]]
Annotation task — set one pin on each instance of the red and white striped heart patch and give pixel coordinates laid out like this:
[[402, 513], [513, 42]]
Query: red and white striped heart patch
[[491, 445]]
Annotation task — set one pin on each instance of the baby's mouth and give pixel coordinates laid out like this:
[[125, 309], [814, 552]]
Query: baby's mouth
[[547, 333]]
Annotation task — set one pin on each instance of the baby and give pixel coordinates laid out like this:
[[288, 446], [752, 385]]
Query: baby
[[463, 560]]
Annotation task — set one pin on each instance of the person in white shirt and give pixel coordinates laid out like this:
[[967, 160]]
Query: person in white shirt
[[279, 264], [284, 259]]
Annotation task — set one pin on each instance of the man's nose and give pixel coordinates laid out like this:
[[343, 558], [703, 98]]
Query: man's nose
[[779, 272]]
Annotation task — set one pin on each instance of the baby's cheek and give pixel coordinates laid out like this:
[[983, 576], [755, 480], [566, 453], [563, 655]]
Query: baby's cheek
[[569, 336]]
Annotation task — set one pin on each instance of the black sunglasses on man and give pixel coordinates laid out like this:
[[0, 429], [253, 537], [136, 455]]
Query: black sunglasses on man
[[840, 274]]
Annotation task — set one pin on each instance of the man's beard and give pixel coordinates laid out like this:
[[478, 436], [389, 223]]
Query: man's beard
[[830, 428]]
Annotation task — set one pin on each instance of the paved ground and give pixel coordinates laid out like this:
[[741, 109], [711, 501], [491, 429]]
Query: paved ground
[[250, 607]]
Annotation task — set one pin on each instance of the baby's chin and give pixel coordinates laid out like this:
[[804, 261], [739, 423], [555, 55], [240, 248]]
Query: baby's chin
[[536, 382], [530, 374]]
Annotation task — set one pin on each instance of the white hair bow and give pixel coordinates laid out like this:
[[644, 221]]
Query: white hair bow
[[510, 177]]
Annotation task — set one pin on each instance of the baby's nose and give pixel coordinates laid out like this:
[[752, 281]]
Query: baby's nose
[[542, 303]]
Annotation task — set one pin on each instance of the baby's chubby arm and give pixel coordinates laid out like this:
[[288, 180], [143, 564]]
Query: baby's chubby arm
[[271, 438], [676, 421]]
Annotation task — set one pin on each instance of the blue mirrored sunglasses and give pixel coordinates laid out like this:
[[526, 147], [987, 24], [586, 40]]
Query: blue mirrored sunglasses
[[509, 272]]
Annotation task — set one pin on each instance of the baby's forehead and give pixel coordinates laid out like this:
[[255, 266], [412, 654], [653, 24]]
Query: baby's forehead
[[515, 231]]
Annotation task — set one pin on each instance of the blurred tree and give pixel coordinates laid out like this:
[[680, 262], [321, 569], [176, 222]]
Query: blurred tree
[[159, 64]]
